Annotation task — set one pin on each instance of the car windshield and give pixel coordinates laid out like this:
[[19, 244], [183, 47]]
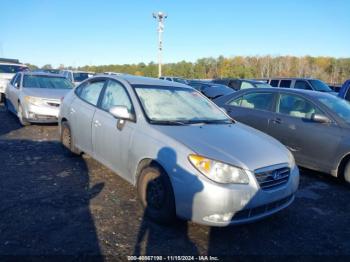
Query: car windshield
[[318, 85], [79, 77], [12, 69], [33, 81], [339, 106], [262, 85], [177, 105]]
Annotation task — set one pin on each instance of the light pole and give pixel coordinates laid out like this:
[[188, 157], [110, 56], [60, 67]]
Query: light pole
[[160, 16]]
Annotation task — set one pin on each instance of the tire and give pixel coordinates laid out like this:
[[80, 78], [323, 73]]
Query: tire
[[20, 116], [156, 195], [2, 97], [67, 140], [346, 174]]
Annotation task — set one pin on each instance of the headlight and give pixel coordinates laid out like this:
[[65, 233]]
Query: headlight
[[218, 171], [291, 160], [33, 100]]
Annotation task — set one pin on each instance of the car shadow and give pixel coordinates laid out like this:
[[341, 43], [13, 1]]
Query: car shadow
[[9, 121], [44, 201]]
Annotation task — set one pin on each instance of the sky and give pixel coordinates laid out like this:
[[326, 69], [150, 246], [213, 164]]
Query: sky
[[99, 32]]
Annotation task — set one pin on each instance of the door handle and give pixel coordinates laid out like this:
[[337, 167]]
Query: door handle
[[277, 120], [97, 123]]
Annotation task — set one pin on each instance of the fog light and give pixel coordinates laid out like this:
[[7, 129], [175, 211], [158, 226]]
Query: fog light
[[219, 217], [31, 115]]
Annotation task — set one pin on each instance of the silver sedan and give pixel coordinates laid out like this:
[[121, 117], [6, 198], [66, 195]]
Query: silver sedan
[[35, 97], [186, 157]]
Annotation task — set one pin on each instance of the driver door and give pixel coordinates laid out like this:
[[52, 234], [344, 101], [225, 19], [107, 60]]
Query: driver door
[[110, 143]]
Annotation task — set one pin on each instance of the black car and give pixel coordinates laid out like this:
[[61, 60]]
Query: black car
[[210, 89], [238, 84]]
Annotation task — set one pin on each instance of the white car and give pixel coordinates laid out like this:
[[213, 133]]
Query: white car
[[76, 77], [35, 97], [8, 68]]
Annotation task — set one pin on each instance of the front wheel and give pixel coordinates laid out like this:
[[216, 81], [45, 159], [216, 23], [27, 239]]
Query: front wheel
[[156, 195], [21, 117]]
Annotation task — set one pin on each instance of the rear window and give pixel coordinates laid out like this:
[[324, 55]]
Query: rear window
[[274, 83], [32, 81], [12, 69]]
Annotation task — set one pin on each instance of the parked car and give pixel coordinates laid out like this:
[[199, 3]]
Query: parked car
[[76, 77], [210, 90], [36, 97], [344, 91], [238, 84], [335, 87], [301, 83], [315, 126], [8, 68], [174, 79], [184, 154]]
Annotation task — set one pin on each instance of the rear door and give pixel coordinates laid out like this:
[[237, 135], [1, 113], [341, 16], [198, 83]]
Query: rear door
[[82, 111], [311, 143], [253, 108]]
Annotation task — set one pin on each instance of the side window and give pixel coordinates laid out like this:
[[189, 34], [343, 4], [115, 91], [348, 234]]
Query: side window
[[285, 83], [296, 106], [274, 83], [115, 95], [235, 102], [169, 79], [17, 82], [91, 92], [347, 95], [246, 85], [13, 80], [300, 84], [235, 84], [261, 101]]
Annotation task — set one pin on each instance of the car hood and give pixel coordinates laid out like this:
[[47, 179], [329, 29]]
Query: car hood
[[46, 92], [6, 76], [235, 144]]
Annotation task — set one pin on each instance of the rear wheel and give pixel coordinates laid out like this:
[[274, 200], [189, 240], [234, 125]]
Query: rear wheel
[[346, 174], [67, 140], [156, 194], [20, 114]]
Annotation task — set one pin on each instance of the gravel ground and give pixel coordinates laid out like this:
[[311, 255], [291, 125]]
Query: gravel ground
[[51, 204]]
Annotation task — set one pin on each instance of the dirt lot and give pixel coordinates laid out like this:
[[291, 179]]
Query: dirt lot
[[51, 204]]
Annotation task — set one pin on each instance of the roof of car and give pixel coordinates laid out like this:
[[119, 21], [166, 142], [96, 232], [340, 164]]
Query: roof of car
[[141, 80], [308, 93], [291, 78], [31, 73], [12, 64]]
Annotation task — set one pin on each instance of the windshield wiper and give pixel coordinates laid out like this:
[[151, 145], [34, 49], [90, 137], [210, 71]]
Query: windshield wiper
[[207, 121]]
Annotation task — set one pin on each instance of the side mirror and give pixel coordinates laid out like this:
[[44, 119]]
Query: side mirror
[[121, 112], [320, 119], [17, 85]]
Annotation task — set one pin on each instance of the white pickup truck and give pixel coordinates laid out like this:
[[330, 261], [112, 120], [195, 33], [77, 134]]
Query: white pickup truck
[[8, 68]]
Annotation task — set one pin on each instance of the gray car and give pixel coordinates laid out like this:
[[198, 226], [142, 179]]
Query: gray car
[[315, 126], [186, 157], [35, 97]]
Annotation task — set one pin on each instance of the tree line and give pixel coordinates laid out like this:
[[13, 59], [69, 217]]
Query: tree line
[[329, 69]]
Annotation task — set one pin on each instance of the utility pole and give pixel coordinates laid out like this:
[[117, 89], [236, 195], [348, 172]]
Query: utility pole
[[160, 17]]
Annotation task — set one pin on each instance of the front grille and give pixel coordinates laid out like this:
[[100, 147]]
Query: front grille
[[270, 179], [257, 211]]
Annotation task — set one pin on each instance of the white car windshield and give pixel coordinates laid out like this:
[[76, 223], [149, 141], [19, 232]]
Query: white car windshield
[[178, 105], [36, 81]]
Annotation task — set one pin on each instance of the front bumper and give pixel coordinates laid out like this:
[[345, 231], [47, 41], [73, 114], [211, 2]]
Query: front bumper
[[213, 204], [41, 114]]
